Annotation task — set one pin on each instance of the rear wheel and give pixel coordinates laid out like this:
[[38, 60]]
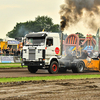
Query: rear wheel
[[79, 68], [32, 69], [53, 68]]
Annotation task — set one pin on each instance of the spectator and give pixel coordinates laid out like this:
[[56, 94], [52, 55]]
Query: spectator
[[15, 53], [4, 54], [18, 52], [1, 52], [21, 53], [11, 52], [7, 51]]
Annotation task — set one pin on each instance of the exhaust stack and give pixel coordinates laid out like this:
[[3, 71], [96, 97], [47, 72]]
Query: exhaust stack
[[61, 45]]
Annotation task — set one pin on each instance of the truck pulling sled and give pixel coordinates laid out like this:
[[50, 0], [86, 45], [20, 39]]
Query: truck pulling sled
[[41, 50]]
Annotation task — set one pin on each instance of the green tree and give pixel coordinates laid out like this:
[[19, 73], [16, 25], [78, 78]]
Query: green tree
[[1, 39], [40, 23], [80, 35], [94, 36]]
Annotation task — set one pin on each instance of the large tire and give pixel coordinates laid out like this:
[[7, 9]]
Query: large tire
[[32, 69], [53, 68], [79, 68]]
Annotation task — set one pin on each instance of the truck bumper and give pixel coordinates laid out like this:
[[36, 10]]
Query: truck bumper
[[34, 63]]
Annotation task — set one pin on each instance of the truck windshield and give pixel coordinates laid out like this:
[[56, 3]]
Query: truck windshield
[[35, 41]]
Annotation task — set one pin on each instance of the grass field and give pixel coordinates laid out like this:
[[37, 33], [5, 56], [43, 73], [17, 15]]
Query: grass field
[[48, 78], [14, 65], [10, 65]]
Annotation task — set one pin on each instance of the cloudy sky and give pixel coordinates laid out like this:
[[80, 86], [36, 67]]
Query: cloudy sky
[[15, 11]]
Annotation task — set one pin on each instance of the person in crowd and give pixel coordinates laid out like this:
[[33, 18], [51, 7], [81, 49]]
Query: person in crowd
[[15, 52], [21, 53], [11, 52], [4, 54], [7, 51], [18, 52], [1, 52]]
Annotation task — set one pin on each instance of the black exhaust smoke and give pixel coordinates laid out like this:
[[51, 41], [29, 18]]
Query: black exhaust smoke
[[73, 11]]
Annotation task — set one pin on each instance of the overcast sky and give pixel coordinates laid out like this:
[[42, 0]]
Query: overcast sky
[[15, 11]]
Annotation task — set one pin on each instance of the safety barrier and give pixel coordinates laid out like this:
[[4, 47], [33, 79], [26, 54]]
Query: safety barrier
[[10, 59]]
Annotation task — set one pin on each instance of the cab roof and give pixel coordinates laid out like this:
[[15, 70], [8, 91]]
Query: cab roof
[[42, 34]]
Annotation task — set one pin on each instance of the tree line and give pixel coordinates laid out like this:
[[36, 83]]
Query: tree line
[[40, 23]]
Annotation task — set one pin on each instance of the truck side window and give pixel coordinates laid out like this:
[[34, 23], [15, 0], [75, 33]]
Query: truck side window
[[49, 42]]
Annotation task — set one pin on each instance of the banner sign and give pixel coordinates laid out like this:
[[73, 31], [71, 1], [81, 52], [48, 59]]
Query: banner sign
[[7, 59], [13, 42], [0, 59]]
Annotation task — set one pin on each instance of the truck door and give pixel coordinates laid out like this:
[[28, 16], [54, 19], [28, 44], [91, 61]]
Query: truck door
[[50, 47]]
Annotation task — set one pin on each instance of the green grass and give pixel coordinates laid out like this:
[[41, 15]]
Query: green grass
[[48, 78], [10, 65]]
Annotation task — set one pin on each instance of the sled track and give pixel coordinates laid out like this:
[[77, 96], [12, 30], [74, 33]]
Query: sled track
[[23, 72]]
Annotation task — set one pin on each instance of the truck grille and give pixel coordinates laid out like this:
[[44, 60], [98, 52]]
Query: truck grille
[[31, 54]]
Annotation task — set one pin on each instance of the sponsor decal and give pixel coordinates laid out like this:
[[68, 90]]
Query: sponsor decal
[[57, 50]]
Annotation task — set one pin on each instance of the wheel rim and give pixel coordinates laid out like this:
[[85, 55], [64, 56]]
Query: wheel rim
[[54, 67], [81, 67]]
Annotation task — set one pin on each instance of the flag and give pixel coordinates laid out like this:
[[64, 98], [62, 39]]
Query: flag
[[43, 30], [97, 42]]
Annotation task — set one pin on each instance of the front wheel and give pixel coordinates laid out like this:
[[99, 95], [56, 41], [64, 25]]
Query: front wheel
[[53, 68], [32, 69]]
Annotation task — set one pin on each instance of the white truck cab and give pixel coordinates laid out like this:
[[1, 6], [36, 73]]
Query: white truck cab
[[41, 51]]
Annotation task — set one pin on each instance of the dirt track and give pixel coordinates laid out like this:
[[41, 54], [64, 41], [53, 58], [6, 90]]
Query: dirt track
[[23, 72], [83, 89]]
